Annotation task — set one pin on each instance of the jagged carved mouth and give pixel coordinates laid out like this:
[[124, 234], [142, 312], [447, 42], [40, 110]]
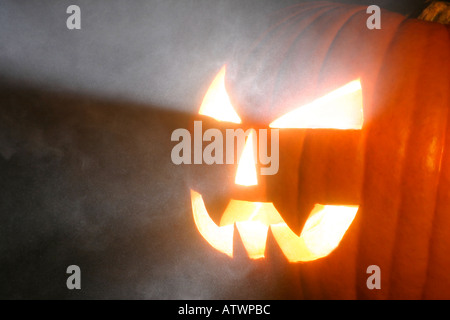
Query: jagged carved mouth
[[324, 229]]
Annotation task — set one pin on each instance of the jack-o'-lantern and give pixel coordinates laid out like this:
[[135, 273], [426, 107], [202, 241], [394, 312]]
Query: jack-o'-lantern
[[363, 151]]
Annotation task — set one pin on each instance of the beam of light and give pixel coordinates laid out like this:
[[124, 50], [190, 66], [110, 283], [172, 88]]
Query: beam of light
[[323, 231], [339, 109], [216, 103], [246, 174]]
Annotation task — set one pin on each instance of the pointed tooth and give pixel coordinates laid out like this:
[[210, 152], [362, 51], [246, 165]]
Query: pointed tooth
[[239, 251], [273, 252]]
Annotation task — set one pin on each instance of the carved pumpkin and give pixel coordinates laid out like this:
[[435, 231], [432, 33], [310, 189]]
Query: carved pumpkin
[[395, 166]]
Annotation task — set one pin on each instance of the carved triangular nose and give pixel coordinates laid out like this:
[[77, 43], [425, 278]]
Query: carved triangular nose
[[246, 174]]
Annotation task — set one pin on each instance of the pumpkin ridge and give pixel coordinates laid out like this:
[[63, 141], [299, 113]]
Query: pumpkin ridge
[[260, 53], [362, 258], [400, 215], [278, 24], [438, 213], [417, 180], [389, 46], [290, 51], [404, 172], [434, 219], [333, 42], [268, 35]]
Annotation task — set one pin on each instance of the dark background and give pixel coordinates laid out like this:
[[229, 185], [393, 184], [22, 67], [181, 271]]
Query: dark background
[[85, 123]]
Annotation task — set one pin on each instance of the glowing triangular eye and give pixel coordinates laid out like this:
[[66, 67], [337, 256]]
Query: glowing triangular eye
[[340, 109], [216, 103]]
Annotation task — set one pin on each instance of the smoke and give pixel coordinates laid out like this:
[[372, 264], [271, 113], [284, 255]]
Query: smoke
[[158, 52]]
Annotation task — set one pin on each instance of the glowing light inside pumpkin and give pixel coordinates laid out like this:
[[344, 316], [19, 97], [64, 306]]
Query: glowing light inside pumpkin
[[324, 229], [216, 103], [220, 238], [246, 174], [252, 221], [322, 233], [326, 225], [340, 109]]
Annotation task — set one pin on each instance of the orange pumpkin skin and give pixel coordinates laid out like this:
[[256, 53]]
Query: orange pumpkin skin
[[397, 168]]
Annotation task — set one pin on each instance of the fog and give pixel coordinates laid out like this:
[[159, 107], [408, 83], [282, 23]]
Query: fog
[[157, 52]]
